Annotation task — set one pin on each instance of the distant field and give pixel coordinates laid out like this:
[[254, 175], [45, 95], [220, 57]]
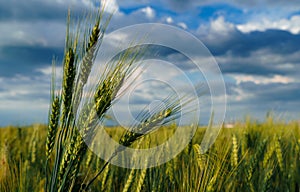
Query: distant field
[[248, 157]]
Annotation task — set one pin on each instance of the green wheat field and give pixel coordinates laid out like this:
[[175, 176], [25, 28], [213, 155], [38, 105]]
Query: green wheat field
[[251, 156]]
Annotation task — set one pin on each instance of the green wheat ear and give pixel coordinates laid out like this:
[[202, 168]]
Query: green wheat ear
[[235, 150], [200, 156], [53, 125], [129, 181], [141, 180], [267, 180], [68, 83], [279, 154], [85, 68]]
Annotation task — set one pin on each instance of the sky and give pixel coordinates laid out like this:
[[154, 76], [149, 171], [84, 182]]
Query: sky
[[255, 43]]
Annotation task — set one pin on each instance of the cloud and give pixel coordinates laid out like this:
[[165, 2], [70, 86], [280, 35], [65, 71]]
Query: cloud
[[217, 27], [261, 62], [182, 25], [46, 33], [255, 43], [143, 14], [31, 10], [169, 20], [149, 12], [32, 33], [46, 10], [185, 5], [258, 80], [25, 59], [260, 66], [264, 53], [272, 93], [250, 98], [24, 99], [291, 25], [25, 88], [224, 37]]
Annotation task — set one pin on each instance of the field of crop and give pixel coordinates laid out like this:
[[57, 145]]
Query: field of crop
[[249, 157]]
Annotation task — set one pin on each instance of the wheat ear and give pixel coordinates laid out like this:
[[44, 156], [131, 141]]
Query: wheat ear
[[279, 154], [129, 180], [68, 83], [141, 180], [235, 150], [53, 125]]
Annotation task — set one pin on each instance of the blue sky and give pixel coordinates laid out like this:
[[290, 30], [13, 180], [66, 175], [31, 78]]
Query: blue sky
[[256, 44]]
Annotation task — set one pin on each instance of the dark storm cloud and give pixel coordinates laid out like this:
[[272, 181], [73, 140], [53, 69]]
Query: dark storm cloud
[[26, 59]]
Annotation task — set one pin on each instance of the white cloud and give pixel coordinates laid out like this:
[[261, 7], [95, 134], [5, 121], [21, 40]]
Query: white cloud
[[239, 95], [143, 15], [17, 32], [169, 20], [88, 3], [218, 27], [261, 80], [221, 26], [182, 25], [291, 25], [24, 92], [47, 72], [149, 12]]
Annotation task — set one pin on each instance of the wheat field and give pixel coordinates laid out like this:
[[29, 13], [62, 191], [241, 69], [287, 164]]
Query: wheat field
[[249, 157]]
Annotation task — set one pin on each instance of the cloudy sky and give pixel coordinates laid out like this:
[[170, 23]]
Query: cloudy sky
[[256, 44]]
